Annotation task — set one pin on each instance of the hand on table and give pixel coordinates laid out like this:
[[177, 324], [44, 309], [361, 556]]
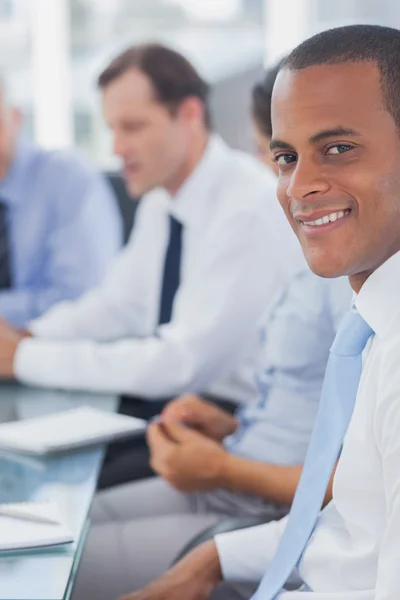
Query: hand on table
[[204, 416], [9, 341]]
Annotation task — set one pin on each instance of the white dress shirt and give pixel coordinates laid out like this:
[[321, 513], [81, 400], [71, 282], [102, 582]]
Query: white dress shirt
[[354, 553], [238, 251]]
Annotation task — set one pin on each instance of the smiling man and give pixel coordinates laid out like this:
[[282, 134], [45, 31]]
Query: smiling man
[[336, 139]]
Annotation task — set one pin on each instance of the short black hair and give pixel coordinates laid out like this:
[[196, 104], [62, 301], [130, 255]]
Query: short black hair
[[173, 77], [261, 97], [356, 43]]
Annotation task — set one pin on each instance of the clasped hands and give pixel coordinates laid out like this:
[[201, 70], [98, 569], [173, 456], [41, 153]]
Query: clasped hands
[[185, 448], [185, 444]]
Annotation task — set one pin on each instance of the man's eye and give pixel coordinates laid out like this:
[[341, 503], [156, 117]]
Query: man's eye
[[284, 159], [339, 149]]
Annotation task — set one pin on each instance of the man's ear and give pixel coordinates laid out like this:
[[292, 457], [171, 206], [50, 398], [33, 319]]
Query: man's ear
[[191, 110]]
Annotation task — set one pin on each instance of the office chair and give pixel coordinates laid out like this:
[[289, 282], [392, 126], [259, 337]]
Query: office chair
[[126, 203]]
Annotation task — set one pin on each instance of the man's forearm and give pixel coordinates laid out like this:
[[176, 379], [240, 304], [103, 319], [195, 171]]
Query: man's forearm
[[192, 578], [275, 483]]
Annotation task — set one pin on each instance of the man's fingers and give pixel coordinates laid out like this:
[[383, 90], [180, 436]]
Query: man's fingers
[[183, 406], [176, 411], [178, 432], [157, 438]]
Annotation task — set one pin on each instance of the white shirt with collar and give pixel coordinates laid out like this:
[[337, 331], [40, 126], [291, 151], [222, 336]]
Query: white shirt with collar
[[354, 553], [237, 253]]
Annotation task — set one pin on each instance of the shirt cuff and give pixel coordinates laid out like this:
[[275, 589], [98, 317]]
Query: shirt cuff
[[34, 327], [246, 553], [44, 362], [48, 326]]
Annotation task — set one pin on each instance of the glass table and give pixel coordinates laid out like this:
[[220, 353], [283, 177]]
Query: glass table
[[69, 479]]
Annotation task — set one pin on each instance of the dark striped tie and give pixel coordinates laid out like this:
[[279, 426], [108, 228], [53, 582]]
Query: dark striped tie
[[171, 275], [5, 266]]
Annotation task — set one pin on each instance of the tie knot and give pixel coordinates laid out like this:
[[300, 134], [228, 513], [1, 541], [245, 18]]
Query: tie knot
[[352, 335]]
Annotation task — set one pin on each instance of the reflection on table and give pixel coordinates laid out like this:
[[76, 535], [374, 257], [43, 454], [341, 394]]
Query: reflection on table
[[69, 479]]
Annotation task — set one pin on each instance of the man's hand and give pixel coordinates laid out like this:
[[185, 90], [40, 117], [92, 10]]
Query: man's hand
[[204, 416], [193, 578], [185, 458], [9, 340]]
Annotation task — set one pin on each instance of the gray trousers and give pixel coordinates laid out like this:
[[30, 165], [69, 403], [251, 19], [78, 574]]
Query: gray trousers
[[139, 528]]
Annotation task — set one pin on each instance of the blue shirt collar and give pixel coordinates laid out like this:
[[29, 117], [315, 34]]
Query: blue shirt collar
[[12, 186]]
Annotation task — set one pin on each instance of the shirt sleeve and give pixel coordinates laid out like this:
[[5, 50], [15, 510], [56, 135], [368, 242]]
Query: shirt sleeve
[[246, 553], [387, 427], [116, 308], [84, 212], [292, 363], [220, 306]]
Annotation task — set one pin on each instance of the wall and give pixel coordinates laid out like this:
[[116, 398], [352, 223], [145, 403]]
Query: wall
[[230, 106]]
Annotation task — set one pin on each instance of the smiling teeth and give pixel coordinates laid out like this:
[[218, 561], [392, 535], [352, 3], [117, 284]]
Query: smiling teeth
[[327, 219]]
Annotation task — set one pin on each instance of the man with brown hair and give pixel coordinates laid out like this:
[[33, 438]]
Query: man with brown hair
[[210, 251]]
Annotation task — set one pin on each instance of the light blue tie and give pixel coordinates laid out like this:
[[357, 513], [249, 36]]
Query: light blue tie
[[337, 402]]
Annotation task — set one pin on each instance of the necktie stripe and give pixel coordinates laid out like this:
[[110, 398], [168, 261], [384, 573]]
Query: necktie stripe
[[5, 266], [171, 273]]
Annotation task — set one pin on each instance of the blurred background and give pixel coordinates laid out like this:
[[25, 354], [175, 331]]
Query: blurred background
[[51, 51]]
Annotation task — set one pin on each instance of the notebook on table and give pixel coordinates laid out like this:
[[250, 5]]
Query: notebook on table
[[23, 532], [67, 430]]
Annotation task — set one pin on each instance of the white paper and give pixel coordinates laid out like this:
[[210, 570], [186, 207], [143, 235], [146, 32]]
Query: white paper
[[19, 534], [67, 430]]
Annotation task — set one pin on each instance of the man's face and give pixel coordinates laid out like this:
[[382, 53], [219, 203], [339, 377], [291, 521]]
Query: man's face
[[151, 142], [338, 151], [9, 127]]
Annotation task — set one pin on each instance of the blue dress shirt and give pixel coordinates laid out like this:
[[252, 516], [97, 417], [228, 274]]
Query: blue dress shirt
[[295, 348], [64, 230]]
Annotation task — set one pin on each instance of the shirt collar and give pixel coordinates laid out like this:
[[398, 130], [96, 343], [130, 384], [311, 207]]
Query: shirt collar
[[378, 300], [12, 187], [184, 205]]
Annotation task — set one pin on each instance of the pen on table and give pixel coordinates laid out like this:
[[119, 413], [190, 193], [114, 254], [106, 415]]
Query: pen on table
[[17, 512]]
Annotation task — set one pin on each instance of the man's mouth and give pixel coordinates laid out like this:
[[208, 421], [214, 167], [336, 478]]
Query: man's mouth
[[329, 218], [131, 169]]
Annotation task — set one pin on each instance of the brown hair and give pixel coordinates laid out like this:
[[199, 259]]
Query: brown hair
[[173, 77]]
